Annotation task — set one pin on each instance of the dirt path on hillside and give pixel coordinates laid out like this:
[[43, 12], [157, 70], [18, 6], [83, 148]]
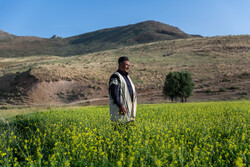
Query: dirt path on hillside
[[156, 96], [142, 98], [89, 101]]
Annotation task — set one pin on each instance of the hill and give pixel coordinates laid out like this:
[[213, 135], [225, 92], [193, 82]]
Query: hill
[[144, 32], [111, 38], [219, 68]]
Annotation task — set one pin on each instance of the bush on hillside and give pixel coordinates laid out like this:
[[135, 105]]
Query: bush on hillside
[[178, 85]]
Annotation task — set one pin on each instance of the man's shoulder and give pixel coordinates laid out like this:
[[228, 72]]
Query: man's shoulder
[[114, 76]]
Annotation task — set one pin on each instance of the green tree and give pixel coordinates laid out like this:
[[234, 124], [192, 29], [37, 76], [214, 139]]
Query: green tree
[[178, 85], [171, 85]]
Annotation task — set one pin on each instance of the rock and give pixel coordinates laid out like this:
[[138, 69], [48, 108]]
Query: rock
[[55, 37]]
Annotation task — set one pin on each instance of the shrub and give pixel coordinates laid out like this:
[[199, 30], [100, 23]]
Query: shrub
[[222, 90], [178, 85]]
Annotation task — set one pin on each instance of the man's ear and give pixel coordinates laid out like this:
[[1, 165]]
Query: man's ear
[[120, 64]]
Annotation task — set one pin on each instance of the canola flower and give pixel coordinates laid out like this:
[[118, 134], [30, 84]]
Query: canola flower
[[192, 134]]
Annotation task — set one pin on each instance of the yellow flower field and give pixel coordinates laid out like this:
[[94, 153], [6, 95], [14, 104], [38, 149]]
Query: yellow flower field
[[192, 134]]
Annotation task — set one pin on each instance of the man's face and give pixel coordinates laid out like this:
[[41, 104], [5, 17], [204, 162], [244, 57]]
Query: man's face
[[124, 66]]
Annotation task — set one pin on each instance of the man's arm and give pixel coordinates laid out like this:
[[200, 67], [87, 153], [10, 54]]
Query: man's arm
[[114, 92]]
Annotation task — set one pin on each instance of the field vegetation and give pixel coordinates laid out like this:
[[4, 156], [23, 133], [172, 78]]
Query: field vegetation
[[192, 134]]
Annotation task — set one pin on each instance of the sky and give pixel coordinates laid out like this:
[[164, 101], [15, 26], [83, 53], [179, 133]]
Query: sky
[[66, 18]]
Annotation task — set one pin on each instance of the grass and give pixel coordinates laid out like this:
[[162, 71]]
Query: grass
[[11, 111], [192, 134]]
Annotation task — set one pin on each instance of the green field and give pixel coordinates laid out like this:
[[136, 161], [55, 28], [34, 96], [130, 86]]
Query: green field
[[192, 134]]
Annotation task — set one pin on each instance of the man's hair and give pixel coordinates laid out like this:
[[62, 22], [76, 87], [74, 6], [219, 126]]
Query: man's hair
[[122, 59]]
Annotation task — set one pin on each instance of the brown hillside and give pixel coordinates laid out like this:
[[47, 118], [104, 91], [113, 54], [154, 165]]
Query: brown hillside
[[37, 86], [219, 68]]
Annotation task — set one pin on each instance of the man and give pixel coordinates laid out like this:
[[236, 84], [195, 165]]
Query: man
[[122, 95]]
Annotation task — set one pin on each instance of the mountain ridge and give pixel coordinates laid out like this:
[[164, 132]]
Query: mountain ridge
[[104, 39], [137, 30]]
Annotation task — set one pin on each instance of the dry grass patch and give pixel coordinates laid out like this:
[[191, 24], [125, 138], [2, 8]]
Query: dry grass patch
[[57, 72]]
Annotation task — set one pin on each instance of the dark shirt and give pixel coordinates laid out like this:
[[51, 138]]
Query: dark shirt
[[114, 91]]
